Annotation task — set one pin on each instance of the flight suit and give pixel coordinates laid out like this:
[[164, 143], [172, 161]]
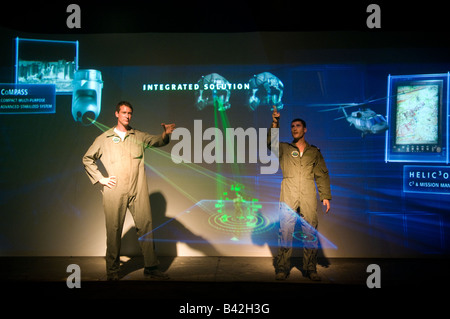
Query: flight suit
[[125, 160], [301, 174]]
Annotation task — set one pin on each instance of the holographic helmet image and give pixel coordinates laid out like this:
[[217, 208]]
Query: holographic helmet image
[[265, 89], [214, 90], [87, 96]]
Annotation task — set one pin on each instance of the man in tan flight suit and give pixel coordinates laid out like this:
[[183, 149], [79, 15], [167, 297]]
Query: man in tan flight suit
[[303, 168], [121, 150]]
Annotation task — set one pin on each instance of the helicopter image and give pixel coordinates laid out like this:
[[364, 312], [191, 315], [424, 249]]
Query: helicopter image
[[365, 120]]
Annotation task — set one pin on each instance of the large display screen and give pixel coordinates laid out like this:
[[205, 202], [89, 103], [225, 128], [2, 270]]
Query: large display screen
[[215, 188]]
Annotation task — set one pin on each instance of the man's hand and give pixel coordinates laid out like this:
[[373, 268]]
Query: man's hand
[[168, 128], [109, 182], [275, 117], [326, 202]]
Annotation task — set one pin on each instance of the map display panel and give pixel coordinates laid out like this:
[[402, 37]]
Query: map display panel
[[417, 114]]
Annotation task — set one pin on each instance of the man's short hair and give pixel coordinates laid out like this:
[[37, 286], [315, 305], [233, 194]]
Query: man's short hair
[[299, 120], [126, 103]]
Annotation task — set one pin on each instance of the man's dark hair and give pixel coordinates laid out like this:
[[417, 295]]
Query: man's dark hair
[[126, 103], [299, 120]]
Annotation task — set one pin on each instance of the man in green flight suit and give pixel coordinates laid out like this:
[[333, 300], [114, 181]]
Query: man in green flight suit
[[303, 167], [121, 150]]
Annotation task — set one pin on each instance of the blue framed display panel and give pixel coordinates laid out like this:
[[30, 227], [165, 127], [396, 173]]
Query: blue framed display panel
[[417, 114], [46, 62]]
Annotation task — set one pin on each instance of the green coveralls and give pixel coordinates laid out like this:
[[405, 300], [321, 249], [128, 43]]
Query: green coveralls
[[125, 160], [301, 173]]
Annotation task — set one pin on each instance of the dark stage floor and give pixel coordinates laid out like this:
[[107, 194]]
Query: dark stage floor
[[218, 280]]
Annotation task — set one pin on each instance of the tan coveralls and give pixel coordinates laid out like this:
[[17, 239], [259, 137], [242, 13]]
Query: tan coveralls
[[301, 173], [125, 160]]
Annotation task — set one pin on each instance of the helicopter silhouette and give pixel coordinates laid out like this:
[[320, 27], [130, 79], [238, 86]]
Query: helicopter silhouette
[[365, 120]]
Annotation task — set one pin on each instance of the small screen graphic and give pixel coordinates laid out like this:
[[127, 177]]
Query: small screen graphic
[[47, 62]]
